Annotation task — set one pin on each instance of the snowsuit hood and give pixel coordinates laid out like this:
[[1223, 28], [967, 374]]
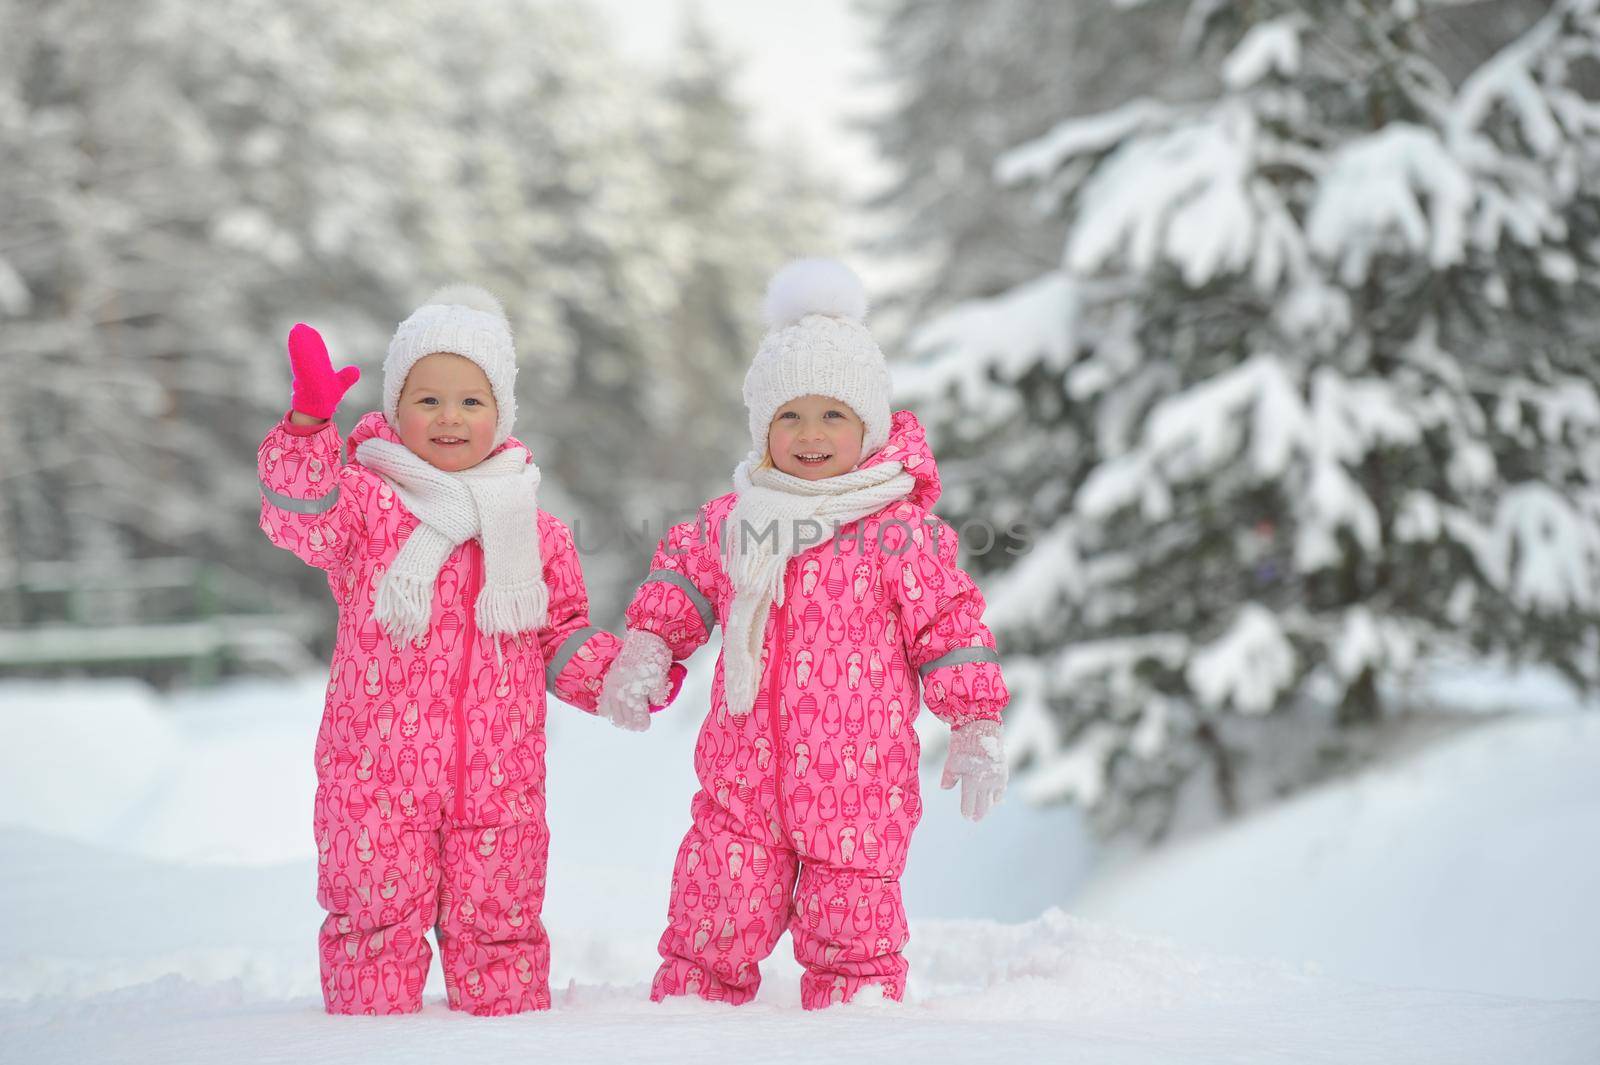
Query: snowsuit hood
[[908, 444]]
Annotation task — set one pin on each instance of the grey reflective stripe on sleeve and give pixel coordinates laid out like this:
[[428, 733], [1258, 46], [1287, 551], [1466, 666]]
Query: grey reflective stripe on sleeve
[[564, 653], [300, 506], [959, 656], [668, 576]]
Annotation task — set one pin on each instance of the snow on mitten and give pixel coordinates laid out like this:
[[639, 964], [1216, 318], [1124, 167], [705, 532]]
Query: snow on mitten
[[977, 759], [639, 677]]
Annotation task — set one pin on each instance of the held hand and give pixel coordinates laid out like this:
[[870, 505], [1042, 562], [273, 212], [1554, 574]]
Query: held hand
[[317, 388], [675, 675], [639, 678], [977, 760]]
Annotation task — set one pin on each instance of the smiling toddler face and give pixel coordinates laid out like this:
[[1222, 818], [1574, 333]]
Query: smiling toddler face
[[815, 437], [447, 413]]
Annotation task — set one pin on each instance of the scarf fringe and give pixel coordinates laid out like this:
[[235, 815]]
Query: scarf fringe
[[514, 608], [403, 604]]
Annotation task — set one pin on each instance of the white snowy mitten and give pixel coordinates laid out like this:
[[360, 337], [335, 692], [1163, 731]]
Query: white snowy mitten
[[977, 759], [636, 680]]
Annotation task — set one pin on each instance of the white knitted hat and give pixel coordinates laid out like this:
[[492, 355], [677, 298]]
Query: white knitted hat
[[818, 344], [461, 320]]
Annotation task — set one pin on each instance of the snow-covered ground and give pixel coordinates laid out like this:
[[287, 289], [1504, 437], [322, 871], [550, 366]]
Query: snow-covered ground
[[1474, 865], [158, 890]]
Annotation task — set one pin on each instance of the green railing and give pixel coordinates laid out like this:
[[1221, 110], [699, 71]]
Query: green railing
[[162, 618]]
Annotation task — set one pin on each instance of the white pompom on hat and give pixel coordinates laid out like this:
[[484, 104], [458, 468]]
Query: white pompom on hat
[[459, 320], [817, 344]]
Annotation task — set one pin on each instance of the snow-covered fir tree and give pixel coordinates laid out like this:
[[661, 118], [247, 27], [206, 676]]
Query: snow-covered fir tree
[[1312, 399], [970, 79]]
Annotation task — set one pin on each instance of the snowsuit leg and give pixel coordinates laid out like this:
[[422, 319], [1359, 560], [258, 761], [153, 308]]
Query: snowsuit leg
[[849, 929], [379, 883], [492, 942], [731, 897]]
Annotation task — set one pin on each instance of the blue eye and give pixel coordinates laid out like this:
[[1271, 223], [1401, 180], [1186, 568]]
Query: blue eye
[[788, 414], [428, 400], [833, 414], [473, 402]]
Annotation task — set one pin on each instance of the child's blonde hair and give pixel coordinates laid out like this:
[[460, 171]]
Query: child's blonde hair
[[766, 462]]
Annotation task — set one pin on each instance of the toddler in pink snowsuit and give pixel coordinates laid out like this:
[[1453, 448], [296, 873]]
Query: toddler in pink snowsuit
[[460, 603], [842, 606]]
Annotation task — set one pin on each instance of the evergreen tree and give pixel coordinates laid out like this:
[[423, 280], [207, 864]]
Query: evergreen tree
[[971, 79], [1312, 400]]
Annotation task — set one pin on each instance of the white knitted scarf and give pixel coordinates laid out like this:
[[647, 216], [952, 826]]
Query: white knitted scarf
[[496, 501], [795, 509]]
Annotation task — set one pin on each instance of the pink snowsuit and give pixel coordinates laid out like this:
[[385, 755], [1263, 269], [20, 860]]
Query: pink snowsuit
[[818, 783], [430, 807]]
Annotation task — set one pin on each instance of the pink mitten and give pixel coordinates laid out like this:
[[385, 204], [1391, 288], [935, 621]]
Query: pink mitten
[[675, 674], [317, 389]]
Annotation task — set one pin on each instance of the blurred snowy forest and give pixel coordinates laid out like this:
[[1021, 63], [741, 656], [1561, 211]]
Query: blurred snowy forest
[[182, 182], [1273, 324]]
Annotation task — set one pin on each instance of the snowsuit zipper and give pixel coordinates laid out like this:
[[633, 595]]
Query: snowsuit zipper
[[775, 703], [474, 579]]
